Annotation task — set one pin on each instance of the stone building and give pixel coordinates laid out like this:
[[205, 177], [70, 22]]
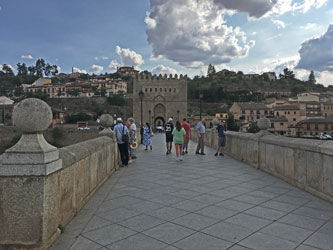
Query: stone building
[[250, 111], [6, 110], [316, 126], [163, 97]]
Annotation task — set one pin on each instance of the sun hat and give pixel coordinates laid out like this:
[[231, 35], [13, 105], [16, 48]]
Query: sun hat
[[170, 119]]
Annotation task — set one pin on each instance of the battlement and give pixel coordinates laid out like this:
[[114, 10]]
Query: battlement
[[149, 77]]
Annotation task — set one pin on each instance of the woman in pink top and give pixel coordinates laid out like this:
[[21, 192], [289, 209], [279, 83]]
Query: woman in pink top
[[187, 136]]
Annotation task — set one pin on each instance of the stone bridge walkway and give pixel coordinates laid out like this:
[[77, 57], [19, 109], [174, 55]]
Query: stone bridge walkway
[[202, 203]]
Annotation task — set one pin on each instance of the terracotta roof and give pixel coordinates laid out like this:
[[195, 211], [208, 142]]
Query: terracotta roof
[[316, 120], [252, 105], [287, 107]]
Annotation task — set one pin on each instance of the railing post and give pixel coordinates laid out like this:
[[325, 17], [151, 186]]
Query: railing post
[[28, 187]]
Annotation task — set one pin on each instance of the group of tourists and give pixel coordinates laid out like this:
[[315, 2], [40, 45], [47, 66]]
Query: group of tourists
[[179, 134], [126, 140]]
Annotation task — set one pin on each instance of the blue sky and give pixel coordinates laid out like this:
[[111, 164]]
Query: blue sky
[[171, 36]]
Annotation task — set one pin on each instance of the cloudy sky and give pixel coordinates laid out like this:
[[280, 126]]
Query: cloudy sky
[[171, 36]]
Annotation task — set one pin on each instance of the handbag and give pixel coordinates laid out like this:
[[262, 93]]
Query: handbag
[[124, 137]]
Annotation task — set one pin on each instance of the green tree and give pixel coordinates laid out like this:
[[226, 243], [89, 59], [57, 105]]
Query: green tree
[[287, 74], [116, 100], [22, 69], [40, 67], [231, 123], [211, 70], [57, 134], [312, 78], [32, 70], [253, 128], [7, 70]]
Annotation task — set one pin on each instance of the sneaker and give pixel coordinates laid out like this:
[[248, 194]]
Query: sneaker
[[221, 154], [216, 154], [133, 157], [186, 152], [197, 153], [180, 159], [130, 161], [167, 152], [202, 153]]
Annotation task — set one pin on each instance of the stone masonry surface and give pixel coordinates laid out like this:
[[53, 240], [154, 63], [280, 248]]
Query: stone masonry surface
[[202, 203]]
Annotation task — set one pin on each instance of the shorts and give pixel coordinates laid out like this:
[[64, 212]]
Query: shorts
[[186, 140], [222, 141], [169, 138]]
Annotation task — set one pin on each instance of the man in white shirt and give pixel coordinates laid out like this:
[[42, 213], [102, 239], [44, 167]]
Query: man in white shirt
[[201, 129]]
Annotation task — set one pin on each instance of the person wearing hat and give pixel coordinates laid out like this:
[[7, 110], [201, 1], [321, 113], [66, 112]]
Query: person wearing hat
[[121, 132], [168, 135]]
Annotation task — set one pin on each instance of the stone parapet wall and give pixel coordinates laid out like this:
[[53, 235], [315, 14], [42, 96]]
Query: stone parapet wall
[[32, 207], [305, 163]]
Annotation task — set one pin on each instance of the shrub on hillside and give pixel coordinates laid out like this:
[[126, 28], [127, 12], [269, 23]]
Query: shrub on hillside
[[78, 118]]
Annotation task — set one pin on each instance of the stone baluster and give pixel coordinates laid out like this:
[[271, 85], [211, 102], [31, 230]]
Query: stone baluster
[[32, 155], [106, 121]]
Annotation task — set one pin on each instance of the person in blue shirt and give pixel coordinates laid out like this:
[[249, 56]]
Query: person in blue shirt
[[120, 129], [221, 130]]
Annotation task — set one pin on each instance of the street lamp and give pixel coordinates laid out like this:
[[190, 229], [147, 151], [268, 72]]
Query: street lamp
[[141, 94], [178, 115], [200, 98]]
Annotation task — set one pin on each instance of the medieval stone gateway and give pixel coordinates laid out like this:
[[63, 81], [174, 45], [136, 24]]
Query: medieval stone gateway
[[163, 97]]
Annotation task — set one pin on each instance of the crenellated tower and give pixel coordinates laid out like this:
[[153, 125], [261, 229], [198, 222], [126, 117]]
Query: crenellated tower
[[163, 97]]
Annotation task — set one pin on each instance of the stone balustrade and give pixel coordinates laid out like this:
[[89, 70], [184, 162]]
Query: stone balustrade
[[41, 187], [305, 163]]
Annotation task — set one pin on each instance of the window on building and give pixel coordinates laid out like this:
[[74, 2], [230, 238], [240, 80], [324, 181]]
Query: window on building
[[251, 112], [281, 123], [307, 126], [294, 119], [277, 114], [326, 126], [288, 112], [146, 90], [285, 112], [170, 90], [258, 112], [165, 90], [258, 116], [316, 126], [151, 89], [243, 112], [174, 90], [155, 89], [161, 89], [294, 112]]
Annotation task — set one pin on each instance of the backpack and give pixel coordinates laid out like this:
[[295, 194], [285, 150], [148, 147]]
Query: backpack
[[124, 137]]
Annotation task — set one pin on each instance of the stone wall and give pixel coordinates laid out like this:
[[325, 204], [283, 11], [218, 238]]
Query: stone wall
[[305, 163], [32, 207]]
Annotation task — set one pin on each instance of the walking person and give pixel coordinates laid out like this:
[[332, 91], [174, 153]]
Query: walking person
[[147, 141], [132, 137], [187, 136], [221, 130], [121, 132], [178, 136], [168, 135], [201, 130], [141, 132]]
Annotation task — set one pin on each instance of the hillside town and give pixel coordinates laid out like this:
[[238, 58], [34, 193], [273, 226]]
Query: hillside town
[[308, 114]]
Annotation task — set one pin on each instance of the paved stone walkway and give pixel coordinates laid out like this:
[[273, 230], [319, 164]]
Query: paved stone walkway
[[202, 203]]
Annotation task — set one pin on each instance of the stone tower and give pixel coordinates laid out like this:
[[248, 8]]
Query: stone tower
[[164, 97]]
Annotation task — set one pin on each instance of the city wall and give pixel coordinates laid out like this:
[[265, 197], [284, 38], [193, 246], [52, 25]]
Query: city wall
[[305, 163]]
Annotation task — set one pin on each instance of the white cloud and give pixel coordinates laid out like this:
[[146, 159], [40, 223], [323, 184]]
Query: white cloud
[[96, 68], [279, 24], [161, 69], [59, 69], [310, 26], [102, 58], [129, 57], [317, 53], [200, 38], [79, 70], [0, 66], [113, 66], [30, 57]]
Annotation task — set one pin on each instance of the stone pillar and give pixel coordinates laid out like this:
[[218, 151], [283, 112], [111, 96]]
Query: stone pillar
[[106, 121], [28, 182]]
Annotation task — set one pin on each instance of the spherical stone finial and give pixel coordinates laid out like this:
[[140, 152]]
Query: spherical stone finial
[[32, 115], [106, 120], [264, 123], [215, 122]]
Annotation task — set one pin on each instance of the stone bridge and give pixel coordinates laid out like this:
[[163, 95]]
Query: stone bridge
[[202, 203]]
